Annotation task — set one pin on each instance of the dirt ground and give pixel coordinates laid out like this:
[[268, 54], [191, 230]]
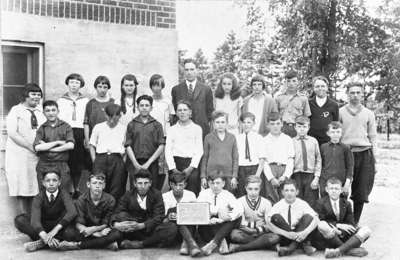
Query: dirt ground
[[382, 215]]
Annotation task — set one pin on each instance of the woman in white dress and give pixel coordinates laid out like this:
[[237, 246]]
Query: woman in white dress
[[228, 100], [128, 99], [20, 160]]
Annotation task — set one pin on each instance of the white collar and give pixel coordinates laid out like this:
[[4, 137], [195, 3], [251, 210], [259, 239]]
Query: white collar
[[48, 194], [193, 83], [321, 101]]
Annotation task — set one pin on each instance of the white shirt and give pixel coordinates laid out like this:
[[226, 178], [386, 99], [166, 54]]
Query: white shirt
[[278, 149], [232, 108], [108, 140], [184, 141], [255, 148], [170, 200], [193, 83], [298, 209], [256, 106], [129, 115], [162, 109], [48, 194], [320, 101], [142, 202], [335, 206], [222, 203], [66, 110]]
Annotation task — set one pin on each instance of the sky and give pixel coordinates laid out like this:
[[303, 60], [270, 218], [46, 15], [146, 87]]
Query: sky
[[205, 23]]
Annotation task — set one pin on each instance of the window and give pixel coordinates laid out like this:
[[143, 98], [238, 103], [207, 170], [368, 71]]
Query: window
[[22, 63]]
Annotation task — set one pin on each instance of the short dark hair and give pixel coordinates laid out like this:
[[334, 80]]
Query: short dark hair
[[145, 97], [184, 102], [290, 182], [102, 79], [257, 78], [157, 80], [245, 115], [142, 173], [334, 180], [320, 77], [291, 74], [274, 116], [176, 178], [215, 174], [335, 125], [28, 88], [75, 76], [302, 120], [189, 60], [97, 175], [112, 110], [50, 169], [217, 114], [50, 103], [353, 84]]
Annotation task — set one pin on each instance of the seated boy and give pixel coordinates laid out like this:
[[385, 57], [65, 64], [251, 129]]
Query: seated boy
[[94, 211], [253, 232], [52, 213], [54, 139], [279, 155], [337, 225], [294, 220], [107, 149], [225, 214], [177, 194], [139, 215]]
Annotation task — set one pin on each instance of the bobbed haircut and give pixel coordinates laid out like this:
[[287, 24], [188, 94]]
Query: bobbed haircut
[[75, 76], [257, 78], [29, 88], [157, 80], [102, 80]]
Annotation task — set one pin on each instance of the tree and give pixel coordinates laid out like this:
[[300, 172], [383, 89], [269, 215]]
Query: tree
[[202, 65], [227, 56]]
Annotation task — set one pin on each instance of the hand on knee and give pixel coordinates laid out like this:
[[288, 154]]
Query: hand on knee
[[363, 233], [326, 231]]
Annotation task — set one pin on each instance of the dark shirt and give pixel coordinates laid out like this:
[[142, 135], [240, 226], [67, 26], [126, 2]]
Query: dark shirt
[[144, 138], [321, 117], [90, 214], [337, 161], [46, 215], [94, 113], [61, 131], [128, 209], [325, 212]]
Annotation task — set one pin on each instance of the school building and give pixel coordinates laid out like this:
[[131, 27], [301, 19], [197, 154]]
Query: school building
[[43, 41]]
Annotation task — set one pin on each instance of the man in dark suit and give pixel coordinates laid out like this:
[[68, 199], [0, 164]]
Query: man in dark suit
[[199, 95], [139, 215], [338, 234]]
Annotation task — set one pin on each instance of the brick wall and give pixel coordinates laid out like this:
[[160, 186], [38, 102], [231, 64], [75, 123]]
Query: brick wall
[[154, 13]]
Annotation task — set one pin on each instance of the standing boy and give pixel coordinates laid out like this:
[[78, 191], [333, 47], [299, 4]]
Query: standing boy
[[251, 157], [225, 212], [294, 220], [279, 156], [340, 235], [337, 160], [291, 104], [171, 198], [94, 211], [72, 110], [323, 110], [139, 214], [220, 153], [253, 232], [184, 147], [307, 162], [52, 214], [359, 132], [145, 142], [54, 139], [107, 149]]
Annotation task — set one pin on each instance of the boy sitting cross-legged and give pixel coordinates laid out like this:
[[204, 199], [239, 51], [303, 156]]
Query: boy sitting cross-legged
[[52, 213], [337, 226], [253, 232]]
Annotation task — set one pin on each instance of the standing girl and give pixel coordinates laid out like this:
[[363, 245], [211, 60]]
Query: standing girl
[[228, 100], [127, 102], [20, 159]]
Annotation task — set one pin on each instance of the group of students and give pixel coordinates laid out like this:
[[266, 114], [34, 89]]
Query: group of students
[[255, 148]]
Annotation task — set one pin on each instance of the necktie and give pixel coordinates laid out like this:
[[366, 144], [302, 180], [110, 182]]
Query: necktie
[[74, 111], [51, 197], [336, 209], [34, 122], [304, 153], [215, 200], [247, 149], [190, 91], [289, 216]]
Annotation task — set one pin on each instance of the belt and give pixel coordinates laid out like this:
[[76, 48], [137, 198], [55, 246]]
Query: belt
[[109, 154], [277, 164]]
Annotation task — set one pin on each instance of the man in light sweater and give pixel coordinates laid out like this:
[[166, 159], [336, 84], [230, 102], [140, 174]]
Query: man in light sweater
[[359, 132]]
